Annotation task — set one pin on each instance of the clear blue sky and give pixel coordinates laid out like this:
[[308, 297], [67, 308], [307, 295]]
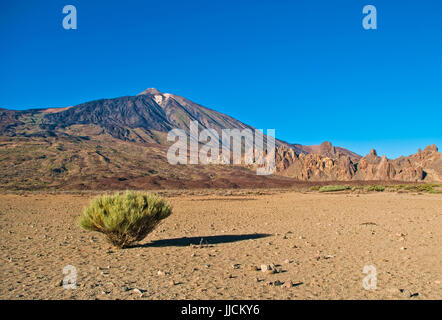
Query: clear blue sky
[[305, 68]]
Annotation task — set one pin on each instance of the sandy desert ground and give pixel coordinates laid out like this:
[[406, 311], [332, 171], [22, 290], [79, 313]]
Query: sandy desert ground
[[213, 243]]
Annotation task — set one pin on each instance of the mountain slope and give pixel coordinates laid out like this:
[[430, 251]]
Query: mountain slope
[[121, 143], [112, 143], [142, 118]]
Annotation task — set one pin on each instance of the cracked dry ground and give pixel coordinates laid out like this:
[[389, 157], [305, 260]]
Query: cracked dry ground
[[320, 242]]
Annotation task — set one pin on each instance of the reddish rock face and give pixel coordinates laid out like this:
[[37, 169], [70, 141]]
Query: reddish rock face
[[329, 164], [431, 148], [327, 148]]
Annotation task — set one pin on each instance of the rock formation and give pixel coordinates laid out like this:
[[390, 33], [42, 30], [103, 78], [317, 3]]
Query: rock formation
[[329, 164]]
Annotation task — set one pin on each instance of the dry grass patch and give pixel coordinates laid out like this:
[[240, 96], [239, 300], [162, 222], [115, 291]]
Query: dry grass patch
[[333, 188], [125, 218]]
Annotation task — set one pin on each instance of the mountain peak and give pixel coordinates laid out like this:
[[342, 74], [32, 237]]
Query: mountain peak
[[150, 91]]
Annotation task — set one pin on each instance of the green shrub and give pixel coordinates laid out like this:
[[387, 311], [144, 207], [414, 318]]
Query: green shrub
[[393, 187], [333, 188], [314, 188], [125, 218], [376, 188], [426, 187]]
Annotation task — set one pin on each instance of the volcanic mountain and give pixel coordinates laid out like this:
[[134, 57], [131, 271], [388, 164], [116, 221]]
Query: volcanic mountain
[[122, 143]]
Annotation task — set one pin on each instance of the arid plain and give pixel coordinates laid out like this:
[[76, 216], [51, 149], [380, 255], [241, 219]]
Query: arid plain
[[215, 242]]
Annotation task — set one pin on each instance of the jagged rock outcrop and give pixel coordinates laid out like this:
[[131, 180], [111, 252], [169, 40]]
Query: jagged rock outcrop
[[329, 164]]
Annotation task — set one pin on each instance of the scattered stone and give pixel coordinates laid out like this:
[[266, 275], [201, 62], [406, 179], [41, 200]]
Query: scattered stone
[[278, 283], [403, 248], [409, 293], [207, 266], [369, 224], [265, 267], [269, 269], [139, 291], [253, 268], [287, 261], [236, 266], [161, 273], [58, 283], [288, 284]]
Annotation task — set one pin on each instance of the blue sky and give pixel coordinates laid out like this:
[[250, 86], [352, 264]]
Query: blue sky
[[305, 68]]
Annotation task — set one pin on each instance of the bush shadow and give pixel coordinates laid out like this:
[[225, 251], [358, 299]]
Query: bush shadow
[[203, 240]]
